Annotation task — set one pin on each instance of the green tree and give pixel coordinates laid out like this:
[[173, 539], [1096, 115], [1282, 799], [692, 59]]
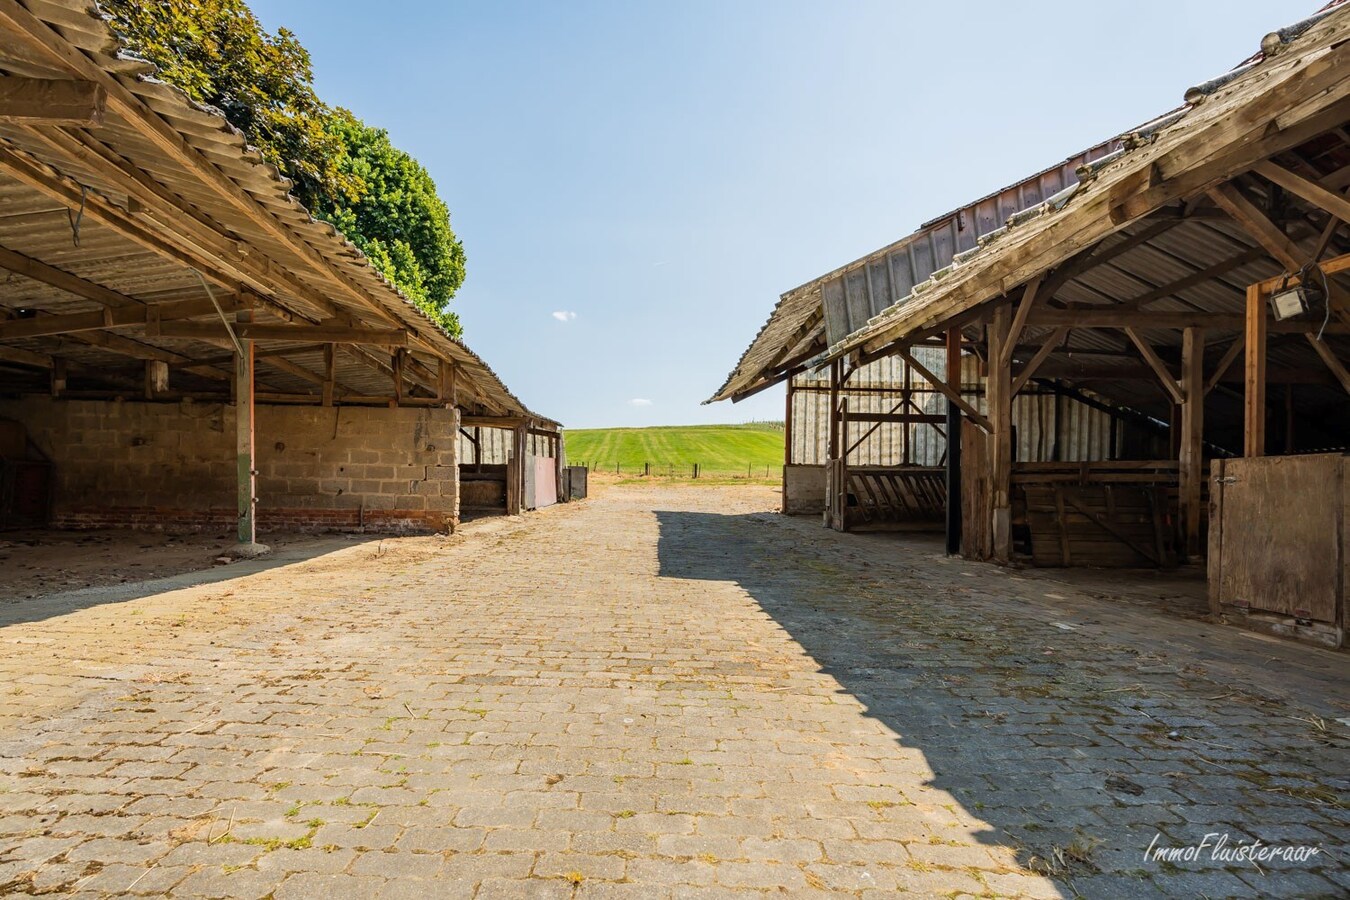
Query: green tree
[[344, 171], [398, 219]]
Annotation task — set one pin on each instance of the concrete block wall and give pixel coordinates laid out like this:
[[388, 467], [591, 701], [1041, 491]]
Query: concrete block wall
[[172, 465]]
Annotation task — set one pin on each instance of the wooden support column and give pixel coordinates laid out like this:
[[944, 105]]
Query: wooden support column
[[953, 444], [1254, 431], [58, 376], [833, 448], [156, 378], [999, 393], [245, 471], [396, 364], [1191, 457], [445, 388], [329, 373], [787, 424]]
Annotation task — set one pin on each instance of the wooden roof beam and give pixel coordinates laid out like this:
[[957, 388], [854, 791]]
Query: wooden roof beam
[[252, 331], [1165, 378], [119, 317], [1258, 226], [58, 278], [1311, 191], [63, 102]]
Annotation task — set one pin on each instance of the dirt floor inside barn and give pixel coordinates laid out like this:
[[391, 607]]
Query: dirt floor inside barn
[[664, 691]]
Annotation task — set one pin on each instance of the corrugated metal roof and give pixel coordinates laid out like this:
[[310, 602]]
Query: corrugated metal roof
[[251, 205], [895, 284]]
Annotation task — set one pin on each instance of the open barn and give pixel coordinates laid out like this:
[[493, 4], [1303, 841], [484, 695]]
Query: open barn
[[183, 347], [1133, 358]]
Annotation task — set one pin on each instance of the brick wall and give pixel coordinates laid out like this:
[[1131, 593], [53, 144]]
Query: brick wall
[[172, 465]]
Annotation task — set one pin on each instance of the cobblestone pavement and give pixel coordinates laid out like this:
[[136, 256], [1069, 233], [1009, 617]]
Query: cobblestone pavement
[[662, 692]]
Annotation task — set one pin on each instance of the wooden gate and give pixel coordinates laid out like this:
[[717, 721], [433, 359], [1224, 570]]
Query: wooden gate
[[1277, 541]]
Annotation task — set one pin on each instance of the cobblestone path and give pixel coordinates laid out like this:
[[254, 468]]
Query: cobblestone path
[[662, 692]]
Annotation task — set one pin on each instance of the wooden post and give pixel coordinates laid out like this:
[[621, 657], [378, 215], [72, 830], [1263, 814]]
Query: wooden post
[[833, 448], [999, 394], [329, 372], [245, 471], [1191, 457], [396, 363], [156, 378], [953, 444], [787, 426], [1254, 431], [58, 376]]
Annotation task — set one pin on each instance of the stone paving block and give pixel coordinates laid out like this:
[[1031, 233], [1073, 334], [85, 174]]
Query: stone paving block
[[662, 692]]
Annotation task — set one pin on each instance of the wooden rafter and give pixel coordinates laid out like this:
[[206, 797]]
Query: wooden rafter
[[1020, 320], [1335, 365], [941, 386], [1314, 193], [1042, 353], [1225, 362], [1165, 378], [315, 334], [53, 102], [117, 317], [1258, 226]]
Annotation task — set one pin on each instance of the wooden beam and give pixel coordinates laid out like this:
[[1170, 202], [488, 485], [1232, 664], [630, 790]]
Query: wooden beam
[[1034, 363], [1311, 191], [329, 373], [1335, 365], [1254, 404], [1113, 317], [316, 334], [1020, 320], [156, 378], [50, 275], [245, 470], [998, 391], [40, 100], [942, 388], [1191, 457], [1257, 226], [1226, 362], [396, 364], [1165, 378], [119, 317], [1162, 292]]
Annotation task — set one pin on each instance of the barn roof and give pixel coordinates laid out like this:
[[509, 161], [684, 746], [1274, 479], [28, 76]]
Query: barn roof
[[1157, 236], [164, 202]]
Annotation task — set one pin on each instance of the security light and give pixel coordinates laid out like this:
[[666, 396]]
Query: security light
[[1290, 303]]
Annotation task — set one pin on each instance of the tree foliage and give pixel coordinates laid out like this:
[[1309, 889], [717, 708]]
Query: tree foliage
[[343, 170]]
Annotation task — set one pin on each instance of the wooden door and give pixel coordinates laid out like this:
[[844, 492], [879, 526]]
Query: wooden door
[[1279, 541]]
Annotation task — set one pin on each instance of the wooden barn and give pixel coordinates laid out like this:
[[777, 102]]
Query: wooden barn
[[183, 346], [1134, 358]]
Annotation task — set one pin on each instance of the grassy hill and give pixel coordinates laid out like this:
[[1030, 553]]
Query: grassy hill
[[754, 449]]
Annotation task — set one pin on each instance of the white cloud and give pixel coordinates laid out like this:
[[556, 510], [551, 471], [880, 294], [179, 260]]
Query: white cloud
[[564, 315], [639, 401]]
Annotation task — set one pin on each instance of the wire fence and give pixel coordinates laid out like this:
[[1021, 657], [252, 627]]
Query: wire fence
[[682, 470]]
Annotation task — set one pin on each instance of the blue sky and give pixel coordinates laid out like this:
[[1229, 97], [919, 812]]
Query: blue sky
[[656, 174]]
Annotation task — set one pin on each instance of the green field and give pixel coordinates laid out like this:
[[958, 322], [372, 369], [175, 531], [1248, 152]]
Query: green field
[[751, 450]]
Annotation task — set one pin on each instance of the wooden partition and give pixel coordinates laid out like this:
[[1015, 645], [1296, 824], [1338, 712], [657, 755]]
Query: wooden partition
[[1277, 544], [1114, 514]]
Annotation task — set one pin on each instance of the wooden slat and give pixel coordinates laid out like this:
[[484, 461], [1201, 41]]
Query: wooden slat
[[65, 102]]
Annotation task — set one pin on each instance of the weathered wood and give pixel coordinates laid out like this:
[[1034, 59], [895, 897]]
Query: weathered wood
[[946, 391], [41, 101], [37, 270], [1040, 356], [1283, 546], [396, 375], [999, 394], [317, 334], [1125, 318], [1329, 357], [156, 377], [1311, 191], [329, 373], [1226, 362], [1192, 438], [119, 317], [58, 367], [976, 509], [1166, 379], [245, 470], [1020, 320], [1254, 405], [1258, 226]]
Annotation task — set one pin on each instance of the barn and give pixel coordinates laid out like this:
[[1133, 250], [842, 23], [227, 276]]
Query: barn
[[1132, 358], [182, 346]]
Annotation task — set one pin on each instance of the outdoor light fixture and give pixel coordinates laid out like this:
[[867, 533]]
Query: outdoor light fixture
[[1302, 298]]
